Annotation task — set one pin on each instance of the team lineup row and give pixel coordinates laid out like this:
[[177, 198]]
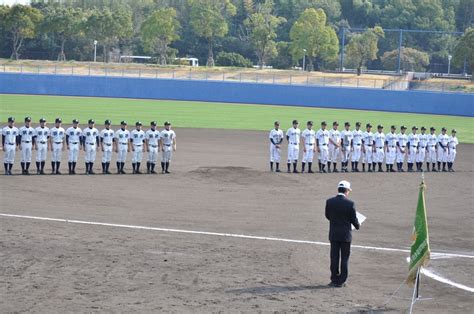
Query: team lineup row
[[57, 139], [366, 147]]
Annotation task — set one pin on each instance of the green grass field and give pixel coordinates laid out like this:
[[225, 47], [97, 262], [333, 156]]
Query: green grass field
[[211, 115]]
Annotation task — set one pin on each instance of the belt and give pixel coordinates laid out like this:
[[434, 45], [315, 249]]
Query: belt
[[42, 142], [74, 143], [392, 146], [26, 142], [358, 144], [323, 144], [310, 144], [90, 143], [431, 145], [58, 142], [153, 145], [380, 147], [138, 144], [11, 143], [369, 145], [108, 144], [167, 144], [403, 146], [290, 143], [123, 143], [423, 146]]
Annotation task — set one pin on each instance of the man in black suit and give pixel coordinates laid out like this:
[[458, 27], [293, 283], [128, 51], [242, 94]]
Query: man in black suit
[[341, 213]]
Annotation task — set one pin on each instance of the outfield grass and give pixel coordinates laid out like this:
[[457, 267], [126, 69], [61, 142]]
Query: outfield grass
[[211, 115]]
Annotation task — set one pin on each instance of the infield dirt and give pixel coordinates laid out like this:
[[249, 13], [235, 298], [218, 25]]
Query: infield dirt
[[220, 183]]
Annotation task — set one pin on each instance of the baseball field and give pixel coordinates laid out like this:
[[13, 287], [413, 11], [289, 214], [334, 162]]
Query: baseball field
[[221, 233]]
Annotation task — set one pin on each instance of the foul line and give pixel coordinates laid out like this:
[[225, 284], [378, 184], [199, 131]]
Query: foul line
[[229, 235]]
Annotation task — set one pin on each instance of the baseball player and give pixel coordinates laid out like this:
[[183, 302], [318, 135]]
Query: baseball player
[[107, 141], [309, 142], [168, 146], [443, 140], [153, 136], [137, 137], [346, 146], [379, 148], [367, 148], [56, 139], [357, 135], [276, 138], [453, 142], [26, 140], [391, 140], [41, 145], [293, 135], [10, 143], [322, 142], [334, 146], [412, 144], [401, 148], [73, 143], [431, 150], [122, 137], [91, 142], [422, 147]]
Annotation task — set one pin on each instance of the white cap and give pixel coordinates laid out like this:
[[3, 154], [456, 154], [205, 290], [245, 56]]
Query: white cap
[[345, 184]]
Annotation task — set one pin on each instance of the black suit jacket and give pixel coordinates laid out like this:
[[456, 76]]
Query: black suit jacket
[[341, 214]]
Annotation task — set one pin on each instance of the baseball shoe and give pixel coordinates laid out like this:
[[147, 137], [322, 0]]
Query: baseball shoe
[[278, 170], [91, 172], [58, 172], [138, 172], [310, 171], [335, 170], [38, 172], [153, 172], [167, 172], [122, 172], [296, 171]]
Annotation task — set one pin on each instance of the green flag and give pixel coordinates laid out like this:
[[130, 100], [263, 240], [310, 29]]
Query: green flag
[[420, 248]]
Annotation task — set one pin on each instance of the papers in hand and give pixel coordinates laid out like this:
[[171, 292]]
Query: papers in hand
[[360, 217]]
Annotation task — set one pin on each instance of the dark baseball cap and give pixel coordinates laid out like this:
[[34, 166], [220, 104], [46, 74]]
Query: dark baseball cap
[[335, 123], [11, 119], [123, 122], [294, 122], [347, 124], [454, 131], [167, 123], [108, 122], [358, 123], [379, 126], [58, 120], [393, 127], [423, 128], [414, 128], [368, 125], [324, 123], [138, 123], [153, 123], [443, 129], [42, 120], [75, 121], [432, 128], [91, 121], [277, 123], [28, 119], [403, 127], [310, 122]]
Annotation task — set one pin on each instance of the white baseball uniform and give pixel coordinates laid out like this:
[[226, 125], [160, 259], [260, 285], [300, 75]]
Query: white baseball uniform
[[323, 141], [42, 136], [57, 138], [107, 139], [122, 136], [401, 150], [167, 138], [347, 137], [379, 139], [10, 135], [138, 138], [391, 139], [413, 141], [309, 139], [26, 145], [334, 151], [432, 142], [91, 138], [443, 141], [368, 139], [74, 142], [452, 143], [153, 139], [293, 144], [423, 144], [277, 137], [356, 145]]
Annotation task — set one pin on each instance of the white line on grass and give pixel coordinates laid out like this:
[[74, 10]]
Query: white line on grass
[[229, 235]]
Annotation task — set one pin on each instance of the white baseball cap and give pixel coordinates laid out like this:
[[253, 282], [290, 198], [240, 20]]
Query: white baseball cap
[[345, 184]]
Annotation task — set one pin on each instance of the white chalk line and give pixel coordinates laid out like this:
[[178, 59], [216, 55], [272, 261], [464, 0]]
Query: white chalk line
[[229, 235]]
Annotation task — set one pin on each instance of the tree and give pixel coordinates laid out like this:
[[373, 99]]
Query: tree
[[108, 27], [159, 31], [283, 60], [262, 27], [464, 50], [63, 23], [364, 47], [410, 59], [21, 22], [208, 18], [232, 59], [311, 36]]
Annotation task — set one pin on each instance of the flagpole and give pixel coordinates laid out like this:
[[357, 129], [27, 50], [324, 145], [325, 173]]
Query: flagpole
[[415, 290]]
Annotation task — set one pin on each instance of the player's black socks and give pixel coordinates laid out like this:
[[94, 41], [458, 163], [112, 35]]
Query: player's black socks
[[319, 166], [162, 166], [91, 167], [119, 164], [289, 166], [387, 167], [148, 167], [295, 164], [38, 166], [167, 165], [433, 167], [53, 164], [310, 165], [439, 165], [22, 167], [69, 167], [271, 166], [277, 166], [138, 167], [133, 167], [103, 167], [334, 166], [427, 166], [5, 165], [444, 166], [329, 166], [107, 165], [363, 167], [302, 166], [152, 165]]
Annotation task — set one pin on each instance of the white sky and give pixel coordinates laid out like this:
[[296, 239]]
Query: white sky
[[11, 2]]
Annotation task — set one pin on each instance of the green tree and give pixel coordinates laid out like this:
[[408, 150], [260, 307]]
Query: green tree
[[20, 22], [232, 59], [364, 47], [411, 59], [64, 23], [108, 27], [208, 18], [262, 27], [283, 60], [311, 35], [464, 50], [159, 31]]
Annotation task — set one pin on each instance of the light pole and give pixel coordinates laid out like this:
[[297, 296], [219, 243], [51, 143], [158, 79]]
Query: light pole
[[449, 63], [304, 59], [95, 50]]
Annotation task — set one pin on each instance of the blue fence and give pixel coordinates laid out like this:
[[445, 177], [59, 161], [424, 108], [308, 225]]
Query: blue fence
[[290, 95]]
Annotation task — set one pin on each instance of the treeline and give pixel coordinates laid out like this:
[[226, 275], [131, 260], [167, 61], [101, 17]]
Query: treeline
[[277, 33]]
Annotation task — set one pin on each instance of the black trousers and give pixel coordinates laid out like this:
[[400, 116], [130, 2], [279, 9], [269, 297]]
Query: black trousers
[[340, 252]]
